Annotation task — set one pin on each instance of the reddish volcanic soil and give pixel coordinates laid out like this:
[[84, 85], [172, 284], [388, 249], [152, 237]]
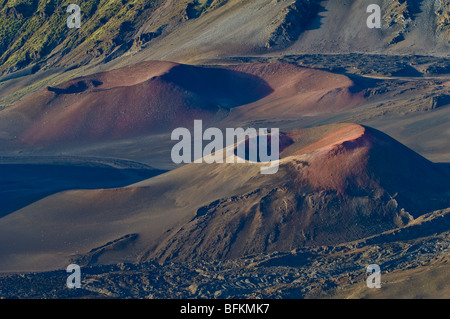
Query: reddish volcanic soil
[[336, 183], [116, 104], [341, 135], [154, 96], [149, 97], [337, 160], [352, 157]]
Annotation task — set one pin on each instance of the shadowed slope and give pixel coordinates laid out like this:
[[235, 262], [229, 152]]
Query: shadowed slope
[[352, 183], [335, 184], [153, 97], [27, 180], [149, 97]]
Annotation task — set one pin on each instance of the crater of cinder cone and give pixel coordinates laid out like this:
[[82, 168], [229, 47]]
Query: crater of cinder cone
[[149, 97], [350, 185], [284, 141], [94, 107], [150, 106], [155, 96], [351, 159], [335, 183]]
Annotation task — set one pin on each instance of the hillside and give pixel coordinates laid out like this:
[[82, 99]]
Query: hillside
[[36, 36], [156, 97], [88, 176], [336, 184], [351, 183]]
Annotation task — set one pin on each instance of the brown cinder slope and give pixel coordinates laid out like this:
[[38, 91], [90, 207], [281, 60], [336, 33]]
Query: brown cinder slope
[[154, 96], [148, 97], [352, 183], [335, 184]]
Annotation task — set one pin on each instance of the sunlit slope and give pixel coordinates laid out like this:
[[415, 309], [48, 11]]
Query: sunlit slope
[[335, 184]]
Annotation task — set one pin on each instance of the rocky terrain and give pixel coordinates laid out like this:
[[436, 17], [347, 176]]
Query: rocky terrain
[[411, 267], [35, 35], [87, 175]]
